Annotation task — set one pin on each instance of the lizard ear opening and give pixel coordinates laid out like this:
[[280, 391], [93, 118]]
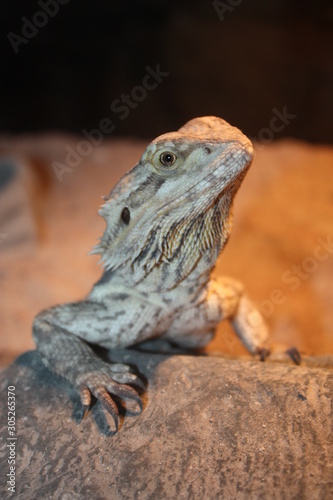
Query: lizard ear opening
[[125, 216]]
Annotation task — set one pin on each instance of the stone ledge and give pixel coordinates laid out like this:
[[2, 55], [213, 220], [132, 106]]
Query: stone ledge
[[210, 428]]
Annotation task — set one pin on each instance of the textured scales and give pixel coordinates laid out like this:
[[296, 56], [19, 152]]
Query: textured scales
[[167, 220]]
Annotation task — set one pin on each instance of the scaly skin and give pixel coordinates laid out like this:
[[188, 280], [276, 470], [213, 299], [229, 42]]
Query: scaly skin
[[167, 221]]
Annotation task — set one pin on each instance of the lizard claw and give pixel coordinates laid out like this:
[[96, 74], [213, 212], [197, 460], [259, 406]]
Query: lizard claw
[[84, 413], [263, 353], [294, 354]]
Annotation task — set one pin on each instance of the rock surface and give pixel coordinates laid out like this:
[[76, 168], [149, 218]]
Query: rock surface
[[210, 428]]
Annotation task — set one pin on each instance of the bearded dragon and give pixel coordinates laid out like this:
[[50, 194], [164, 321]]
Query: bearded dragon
[[167, 221]]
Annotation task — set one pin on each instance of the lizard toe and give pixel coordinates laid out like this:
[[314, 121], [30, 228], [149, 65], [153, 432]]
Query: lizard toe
[[120, 368], [127, 393], [85, 396], [106, 400], [129, 378]]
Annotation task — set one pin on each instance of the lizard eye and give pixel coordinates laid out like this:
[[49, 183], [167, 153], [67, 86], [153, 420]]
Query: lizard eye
[[168, 158]]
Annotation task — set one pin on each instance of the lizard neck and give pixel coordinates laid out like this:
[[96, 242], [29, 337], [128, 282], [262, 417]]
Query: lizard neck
[[189, 253]]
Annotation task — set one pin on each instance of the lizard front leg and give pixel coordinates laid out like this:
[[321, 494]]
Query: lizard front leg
[[223, 299], [245, 318], [60, 334]]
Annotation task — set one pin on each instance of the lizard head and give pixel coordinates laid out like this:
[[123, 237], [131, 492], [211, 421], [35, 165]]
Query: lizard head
[[180, 193]]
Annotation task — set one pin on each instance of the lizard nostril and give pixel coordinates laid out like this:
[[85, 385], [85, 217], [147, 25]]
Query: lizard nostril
[[126, 215], [208, 151]]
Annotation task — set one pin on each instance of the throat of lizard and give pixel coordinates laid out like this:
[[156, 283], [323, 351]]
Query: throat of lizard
[[187, 250]]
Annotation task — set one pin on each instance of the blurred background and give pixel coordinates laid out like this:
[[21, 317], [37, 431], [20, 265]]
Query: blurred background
[[85, 85], [65, 62]]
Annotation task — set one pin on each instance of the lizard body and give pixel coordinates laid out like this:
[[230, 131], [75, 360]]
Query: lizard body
[[167, 221]]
